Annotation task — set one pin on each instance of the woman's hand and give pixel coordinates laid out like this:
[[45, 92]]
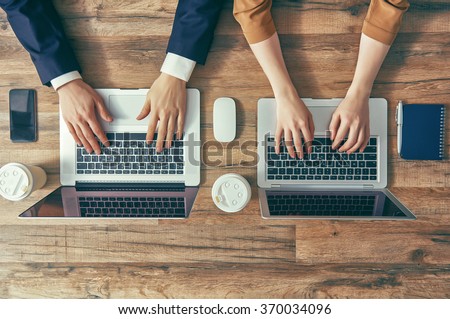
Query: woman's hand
[[294, 123], [351, 118]]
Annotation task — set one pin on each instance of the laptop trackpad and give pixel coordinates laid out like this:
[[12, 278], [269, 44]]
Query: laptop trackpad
[[125, 108]]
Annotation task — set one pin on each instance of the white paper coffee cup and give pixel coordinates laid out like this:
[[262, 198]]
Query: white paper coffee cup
[[17, 180], [231, 192]]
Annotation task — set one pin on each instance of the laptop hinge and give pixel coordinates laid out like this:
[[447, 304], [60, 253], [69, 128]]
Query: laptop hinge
[[322, 186], [89, 186]]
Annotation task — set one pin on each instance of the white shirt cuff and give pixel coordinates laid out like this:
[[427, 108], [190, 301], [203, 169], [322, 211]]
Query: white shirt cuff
[[178, 66], [65, 78]]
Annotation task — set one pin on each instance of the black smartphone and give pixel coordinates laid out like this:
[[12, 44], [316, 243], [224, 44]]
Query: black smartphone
[[22, 115]]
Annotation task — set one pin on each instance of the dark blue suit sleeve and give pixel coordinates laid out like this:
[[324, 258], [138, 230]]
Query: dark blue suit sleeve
[[193, 28], [37, 26]]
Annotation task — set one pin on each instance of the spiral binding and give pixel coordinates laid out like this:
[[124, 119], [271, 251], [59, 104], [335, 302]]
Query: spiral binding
[[441, 133]]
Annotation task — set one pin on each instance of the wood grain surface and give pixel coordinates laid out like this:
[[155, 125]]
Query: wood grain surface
[[121, 44]]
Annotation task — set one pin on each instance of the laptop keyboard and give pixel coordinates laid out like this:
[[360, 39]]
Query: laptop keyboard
[[321, 205], [148, 207], [323, 164], [130, 154]]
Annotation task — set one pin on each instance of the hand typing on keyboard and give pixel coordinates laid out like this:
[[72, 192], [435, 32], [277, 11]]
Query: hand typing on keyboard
[[352, 115], [324, 163], [166, 103], [294, 124], [79, 104], [294, 120], [129, 154], [351, 118]]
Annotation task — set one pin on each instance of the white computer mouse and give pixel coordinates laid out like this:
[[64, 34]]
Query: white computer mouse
[[224, 119]]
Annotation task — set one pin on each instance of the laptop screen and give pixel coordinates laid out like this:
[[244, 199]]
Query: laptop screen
[[335, 204], [70, 202]]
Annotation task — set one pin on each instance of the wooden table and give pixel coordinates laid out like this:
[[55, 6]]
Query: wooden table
[[214, 254]]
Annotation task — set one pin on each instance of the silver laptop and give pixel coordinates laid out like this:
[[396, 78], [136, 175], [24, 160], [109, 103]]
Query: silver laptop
[[129, 179], [326, 184]]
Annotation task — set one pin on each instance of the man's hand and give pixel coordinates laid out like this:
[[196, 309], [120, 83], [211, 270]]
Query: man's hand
[[79, 103], [167, 102], [351, 117], [294, 122]]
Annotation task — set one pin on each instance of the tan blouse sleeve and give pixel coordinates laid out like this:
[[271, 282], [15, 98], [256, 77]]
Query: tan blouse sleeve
[[383, 19], [255, 19]]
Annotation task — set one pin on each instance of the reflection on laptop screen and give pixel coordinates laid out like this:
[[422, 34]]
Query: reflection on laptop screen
[[69, 202], [332, 204]]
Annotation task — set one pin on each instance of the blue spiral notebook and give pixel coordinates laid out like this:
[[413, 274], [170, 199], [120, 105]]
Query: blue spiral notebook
[[421, 129]]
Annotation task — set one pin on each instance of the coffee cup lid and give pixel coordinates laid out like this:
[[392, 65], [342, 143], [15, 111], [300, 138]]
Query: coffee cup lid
[[231, 192], [15, 181]]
